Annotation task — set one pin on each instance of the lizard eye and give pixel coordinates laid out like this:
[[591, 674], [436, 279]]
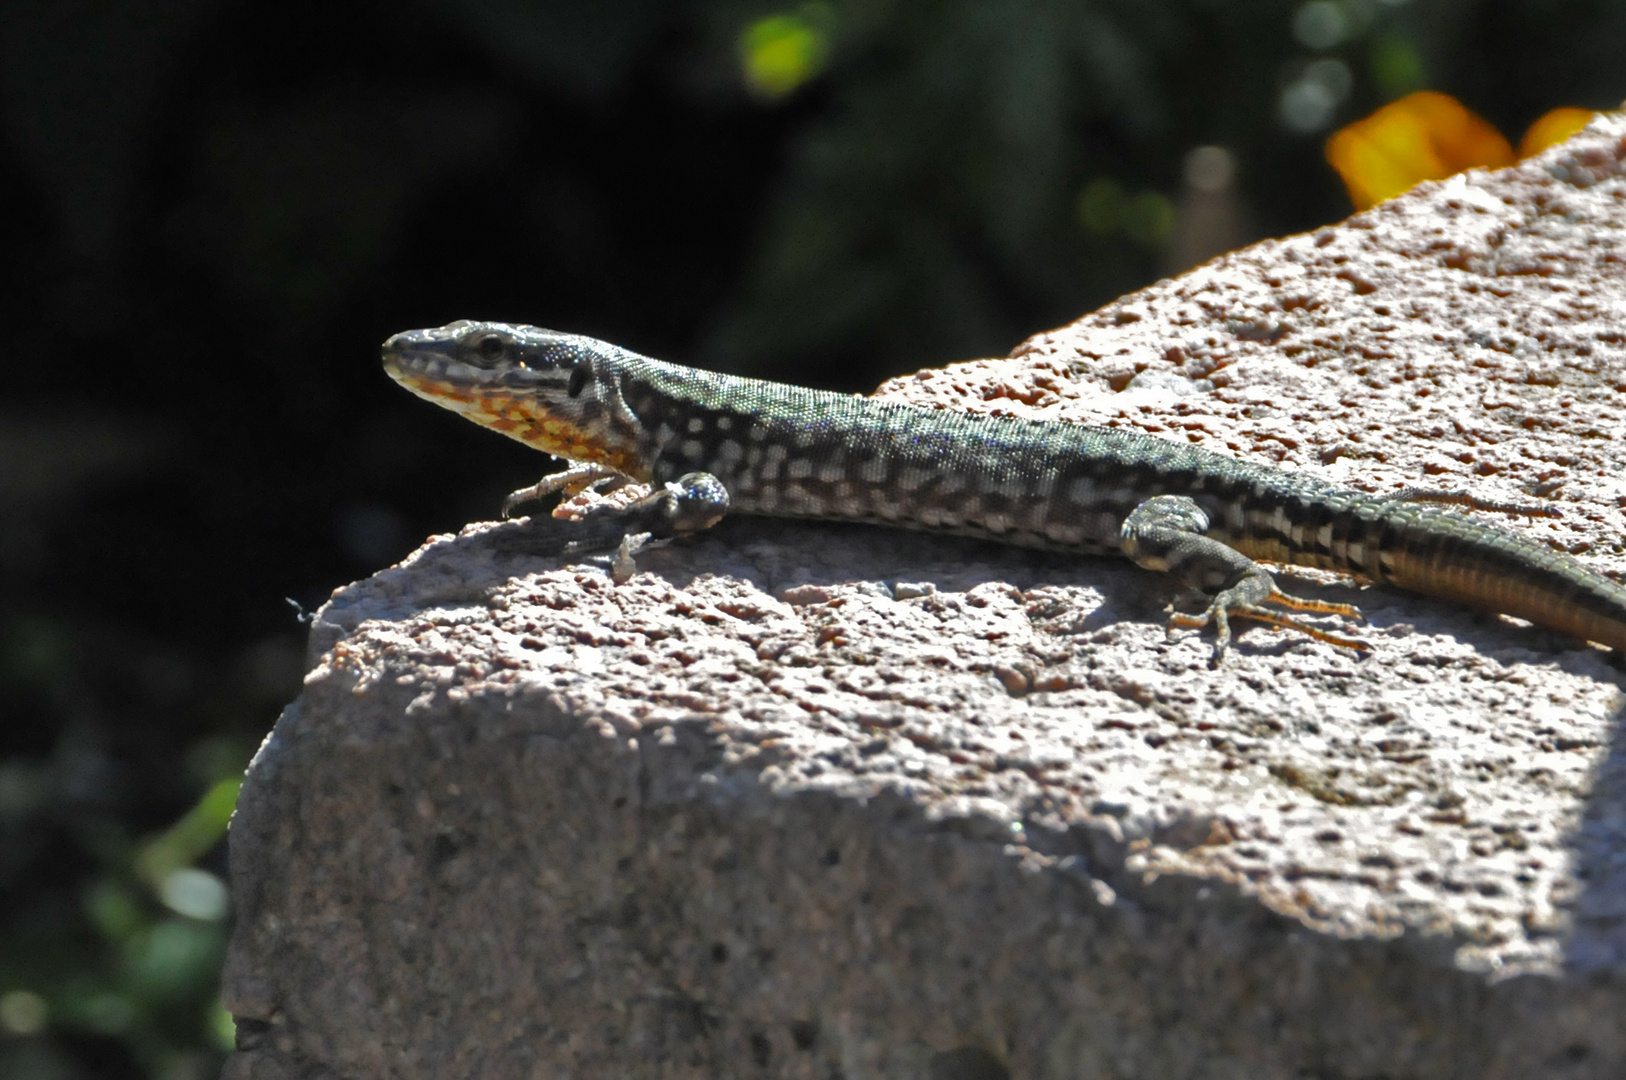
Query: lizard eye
[[491, 346]]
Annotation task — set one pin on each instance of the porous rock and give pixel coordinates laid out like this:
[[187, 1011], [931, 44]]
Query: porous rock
[[822, 800]]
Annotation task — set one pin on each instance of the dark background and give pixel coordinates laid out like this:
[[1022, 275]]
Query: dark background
[[214, 211]]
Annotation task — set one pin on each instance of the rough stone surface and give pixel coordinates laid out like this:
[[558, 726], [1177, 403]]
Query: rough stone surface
[[819, 801]]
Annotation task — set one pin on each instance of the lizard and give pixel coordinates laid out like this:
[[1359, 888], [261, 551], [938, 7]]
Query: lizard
[[709, 444]]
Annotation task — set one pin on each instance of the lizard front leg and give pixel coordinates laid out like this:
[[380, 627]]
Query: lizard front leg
[[691, 504], [1165, 533], [578, 478]]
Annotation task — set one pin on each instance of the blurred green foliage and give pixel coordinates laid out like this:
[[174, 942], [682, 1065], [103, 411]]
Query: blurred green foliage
[[778, 53], [979, 171], [216, 210], [128, 950]]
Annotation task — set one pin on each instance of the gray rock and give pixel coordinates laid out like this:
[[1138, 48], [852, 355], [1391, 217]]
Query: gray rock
[[813, 801]]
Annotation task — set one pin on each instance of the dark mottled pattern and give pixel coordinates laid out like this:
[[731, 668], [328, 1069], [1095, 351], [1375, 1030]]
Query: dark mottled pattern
[[788, 451]]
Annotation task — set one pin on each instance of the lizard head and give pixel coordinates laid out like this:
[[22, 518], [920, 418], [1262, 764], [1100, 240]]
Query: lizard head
[[531, 384], [468, 358]]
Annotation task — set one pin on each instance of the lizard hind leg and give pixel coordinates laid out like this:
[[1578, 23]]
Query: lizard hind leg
[[1165, 533]]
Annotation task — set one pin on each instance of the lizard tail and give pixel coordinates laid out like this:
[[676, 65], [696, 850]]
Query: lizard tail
[[1455, 558]]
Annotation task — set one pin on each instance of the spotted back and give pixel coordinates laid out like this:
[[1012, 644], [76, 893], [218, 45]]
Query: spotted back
[[789, 451]]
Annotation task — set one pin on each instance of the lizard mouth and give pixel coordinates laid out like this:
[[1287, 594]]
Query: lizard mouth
[[439, 363], [422, 356], [426, 363]]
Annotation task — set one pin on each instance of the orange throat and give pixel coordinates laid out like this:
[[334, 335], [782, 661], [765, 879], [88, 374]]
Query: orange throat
[[522, 418]]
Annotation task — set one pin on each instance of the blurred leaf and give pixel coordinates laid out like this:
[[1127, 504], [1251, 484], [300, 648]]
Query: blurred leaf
[[1423, 136], [115, 909], [1101, 206], [1553, 126], [191, 837], [1105, 209], [225, 757], [222, 1025], [101, 1011], [173, 957], [1149, 218], [1395, 65], [781, 52]]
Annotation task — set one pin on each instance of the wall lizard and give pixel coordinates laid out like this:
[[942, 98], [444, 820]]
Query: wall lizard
[[712, 443]]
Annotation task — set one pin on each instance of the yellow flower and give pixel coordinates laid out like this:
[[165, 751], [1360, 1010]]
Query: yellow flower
[[1429, 136], [1553, 126]]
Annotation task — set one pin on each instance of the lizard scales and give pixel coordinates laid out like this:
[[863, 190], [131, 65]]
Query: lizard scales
[[788, 451]]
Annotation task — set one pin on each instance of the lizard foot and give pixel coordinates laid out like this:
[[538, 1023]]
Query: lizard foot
[[1241, 602]]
